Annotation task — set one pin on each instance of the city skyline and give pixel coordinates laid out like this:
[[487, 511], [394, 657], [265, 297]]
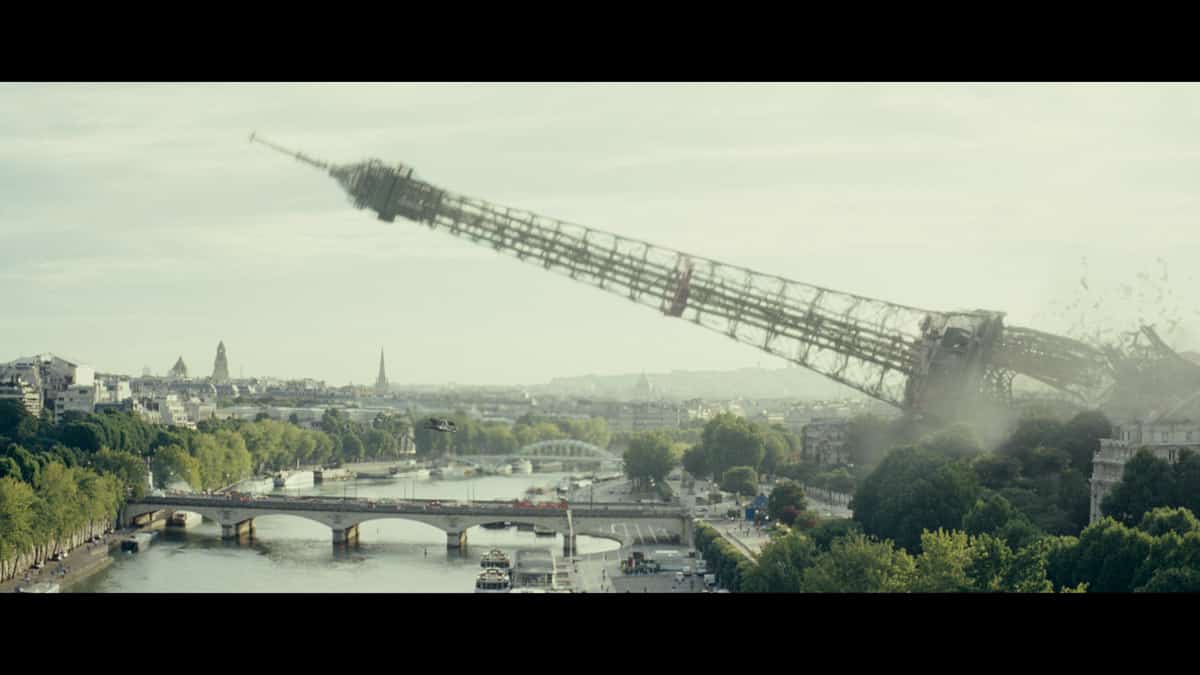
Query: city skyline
[[176, 223]]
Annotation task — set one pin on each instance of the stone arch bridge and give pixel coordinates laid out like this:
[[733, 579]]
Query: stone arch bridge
[[627, 523]]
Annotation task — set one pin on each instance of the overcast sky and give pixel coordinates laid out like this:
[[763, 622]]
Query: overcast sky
[[137, 224]]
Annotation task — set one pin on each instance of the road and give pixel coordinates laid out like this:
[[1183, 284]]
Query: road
[[79, 562], [601, 572]]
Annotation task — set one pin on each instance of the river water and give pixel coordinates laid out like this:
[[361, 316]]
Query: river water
[[290, 554]]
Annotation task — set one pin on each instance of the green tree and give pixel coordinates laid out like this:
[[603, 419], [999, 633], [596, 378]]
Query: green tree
[[649, 457], [740, 480], [869, 438], [1162, 520], [785, 493], [957, 441], [995, 568], [943, 563], [126, 466], [17, 526], [731, 441], [989, 516], [826, 532], [858, 564], [996, 471], [1081, 438], [1048, 461], [352, 447], [775, 450], [914, 490], [1147, 483], [1187, 481], [695, 461], [1110, 555], [1030, 434], [173, 462], [781, 565], [1174, 547], [1173, 580]]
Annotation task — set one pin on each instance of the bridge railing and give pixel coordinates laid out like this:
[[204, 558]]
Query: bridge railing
[[426, 506]]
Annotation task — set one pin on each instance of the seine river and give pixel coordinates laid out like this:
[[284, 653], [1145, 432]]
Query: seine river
[[293, 555]]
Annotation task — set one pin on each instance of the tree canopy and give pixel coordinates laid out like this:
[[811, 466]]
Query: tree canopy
[[650, 456], [913, 490]]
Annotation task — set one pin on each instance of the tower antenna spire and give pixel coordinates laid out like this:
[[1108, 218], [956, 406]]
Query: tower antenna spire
[[324, 166]]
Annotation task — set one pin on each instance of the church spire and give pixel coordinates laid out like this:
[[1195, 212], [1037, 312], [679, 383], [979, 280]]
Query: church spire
[[220, 365], [381, 383]]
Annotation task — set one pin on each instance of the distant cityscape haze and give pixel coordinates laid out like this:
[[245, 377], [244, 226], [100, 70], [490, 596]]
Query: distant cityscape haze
[[139, 225]]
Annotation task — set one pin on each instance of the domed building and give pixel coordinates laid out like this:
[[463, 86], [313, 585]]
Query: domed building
[[178, 371]]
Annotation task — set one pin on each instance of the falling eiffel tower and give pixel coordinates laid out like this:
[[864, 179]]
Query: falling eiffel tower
[[949, 365]]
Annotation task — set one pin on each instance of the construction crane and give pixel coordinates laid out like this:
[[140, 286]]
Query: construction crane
[[941, 365]]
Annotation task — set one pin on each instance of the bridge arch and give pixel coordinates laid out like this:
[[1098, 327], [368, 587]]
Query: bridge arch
[[567, 449]]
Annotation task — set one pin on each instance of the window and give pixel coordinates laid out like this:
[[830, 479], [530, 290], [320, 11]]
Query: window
[[1163, 436]]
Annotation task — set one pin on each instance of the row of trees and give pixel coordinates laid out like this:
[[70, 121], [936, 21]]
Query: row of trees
[[855, 563], [1160, 554], [61, 484], [729, 441], [724, 559], [1149, 482], [1036, 482]]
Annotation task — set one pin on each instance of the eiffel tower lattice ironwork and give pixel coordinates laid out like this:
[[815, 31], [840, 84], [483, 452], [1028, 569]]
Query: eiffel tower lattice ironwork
[[935, 363]]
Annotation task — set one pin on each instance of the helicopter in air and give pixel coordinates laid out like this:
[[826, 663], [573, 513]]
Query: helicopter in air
[[436, 424]]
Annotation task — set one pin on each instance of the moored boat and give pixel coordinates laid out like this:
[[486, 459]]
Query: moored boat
[[185, 519], [294, 479], [138, 542], [449, 472], [412, 474], [493, 580], [496, 559]]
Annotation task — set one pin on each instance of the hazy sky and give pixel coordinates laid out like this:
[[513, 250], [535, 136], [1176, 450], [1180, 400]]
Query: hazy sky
[[137, 224]]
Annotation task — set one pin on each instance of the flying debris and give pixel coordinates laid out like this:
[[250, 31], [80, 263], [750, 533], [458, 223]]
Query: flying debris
[[436, 424]]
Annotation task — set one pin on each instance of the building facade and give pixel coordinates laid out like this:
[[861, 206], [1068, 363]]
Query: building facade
[[178, 371], [1165, 438], [15, 387], [77, 398], [824, 441]]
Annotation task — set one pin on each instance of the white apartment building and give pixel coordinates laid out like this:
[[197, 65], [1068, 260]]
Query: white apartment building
[[16, 387], [164, 409], [76, 398], [1164, 437], [197, 409], [113, 389]]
